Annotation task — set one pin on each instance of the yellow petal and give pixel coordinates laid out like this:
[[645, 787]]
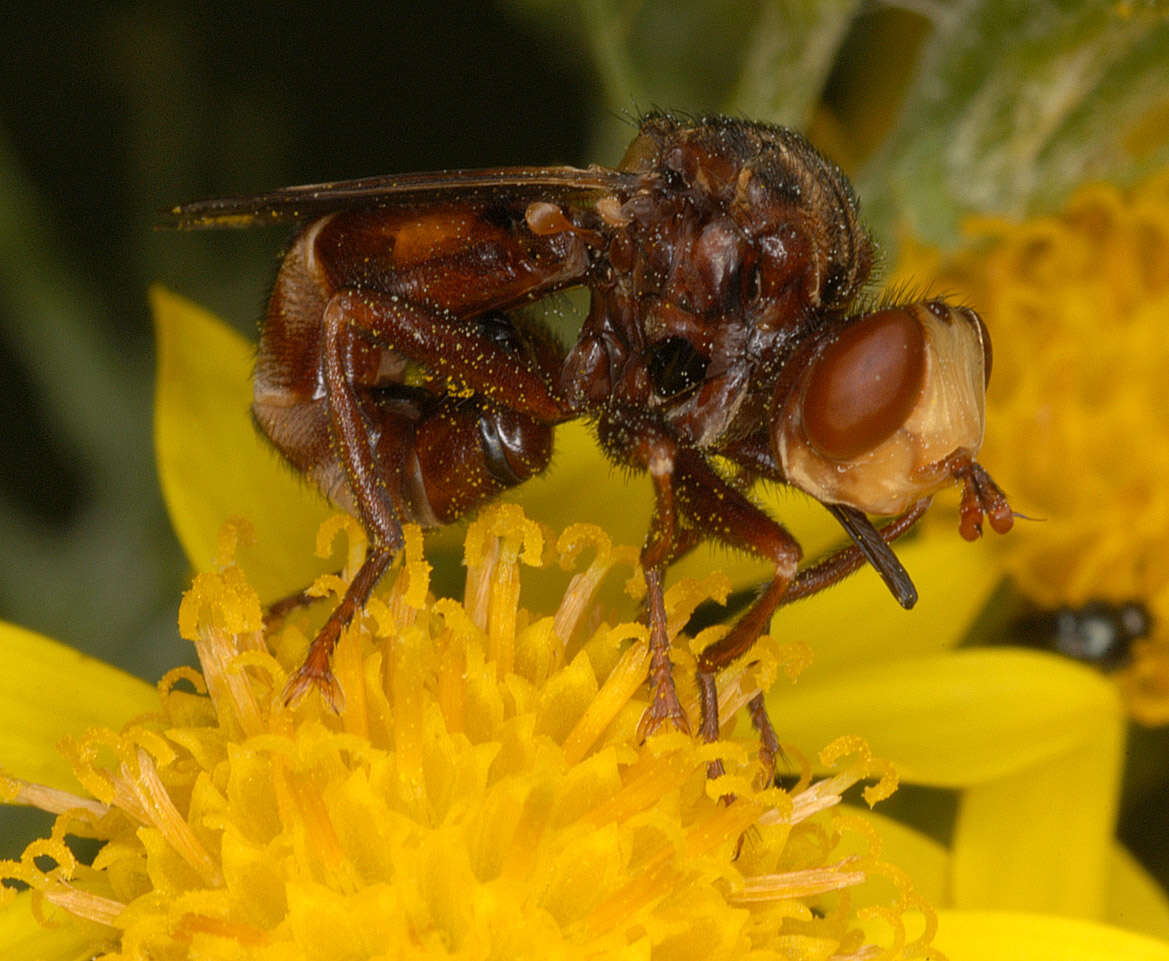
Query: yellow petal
[[955, 719], [1040, 838], [858, 622], [1135, 901], [23, 938], [212, 463], [1002, 936], [48, 690], [599, 493]]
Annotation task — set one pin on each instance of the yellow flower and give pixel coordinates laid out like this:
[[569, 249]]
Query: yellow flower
[[236, 826], [1054, 723], [482, 795], [1078, 410]]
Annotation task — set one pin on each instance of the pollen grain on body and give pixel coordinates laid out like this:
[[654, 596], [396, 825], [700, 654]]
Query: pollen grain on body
[[482, 795]]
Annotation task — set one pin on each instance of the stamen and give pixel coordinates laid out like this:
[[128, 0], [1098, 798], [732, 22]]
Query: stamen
[[18, 791], [481, 785]]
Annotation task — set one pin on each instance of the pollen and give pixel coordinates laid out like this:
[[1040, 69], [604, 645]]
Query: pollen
[[1078, 402], [483, 794]]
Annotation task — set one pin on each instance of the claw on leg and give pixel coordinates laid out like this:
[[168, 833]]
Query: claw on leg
[[664, 706], [708, 698], [315, 671], [769, 749], [309, 676]]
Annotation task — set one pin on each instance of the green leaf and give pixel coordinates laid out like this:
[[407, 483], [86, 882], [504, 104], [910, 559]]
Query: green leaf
[[1015, 104], [762, 59]]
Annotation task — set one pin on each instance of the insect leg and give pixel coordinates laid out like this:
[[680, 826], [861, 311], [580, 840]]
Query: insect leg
[[465, 452], [371, 495], [655, 556], [811, 580], [718, 509], [275, 612], [454, 347], [412, 454], [980, 496]]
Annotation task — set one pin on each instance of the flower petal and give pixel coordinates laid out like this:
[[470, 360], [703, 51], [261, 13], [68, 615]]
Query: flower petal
[[48, 690], [581, 473], [23, 938], [1040, 838], [953, 720], [211, 461], [925, 860], [857, 622], [442, 814], [1135, 900], [991, 936]]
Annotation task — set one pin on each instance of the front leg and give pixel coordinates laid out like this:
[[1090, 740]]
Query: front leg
[[656, 555], [684, 482], [847, 560], [812, 580]]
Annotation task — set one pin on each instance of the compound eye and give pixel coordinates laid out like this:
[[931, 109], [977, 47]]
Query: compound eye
[[864, 384]]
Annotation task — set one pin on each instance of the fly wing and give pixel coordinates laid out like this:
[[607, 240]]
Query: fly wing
[[306, 203]]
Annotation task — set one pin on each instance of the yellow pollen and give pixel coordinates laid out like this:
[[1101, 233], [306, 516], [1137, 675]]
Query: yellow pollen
[[482, 795]]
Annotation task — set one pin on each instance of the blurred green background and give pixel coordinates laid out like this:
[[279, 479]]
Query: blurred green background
[[121, 109]]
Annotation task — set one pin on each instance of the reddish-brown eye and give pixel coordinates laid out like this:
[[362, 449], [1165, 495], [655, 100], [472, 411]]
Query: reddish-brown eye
[[864, 384]]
